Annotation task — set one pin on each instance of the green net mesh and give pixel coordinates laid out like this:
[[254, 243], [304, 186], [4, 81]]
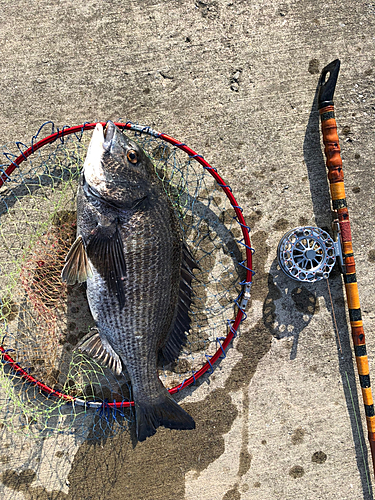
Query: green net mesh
[[43, 320]]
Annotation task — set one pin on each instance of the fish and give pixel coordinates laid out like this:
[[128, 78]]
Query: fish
[[138, 271]]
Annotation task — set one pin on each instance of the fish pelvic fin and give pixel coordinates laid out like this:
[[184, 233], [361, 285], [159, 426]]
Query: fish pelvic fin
[[165, 412], [102, 351], [77, 266]]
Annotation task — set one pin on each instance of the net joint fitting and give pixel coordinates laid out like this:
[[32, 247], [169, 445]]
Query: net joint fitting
[[245, 297]]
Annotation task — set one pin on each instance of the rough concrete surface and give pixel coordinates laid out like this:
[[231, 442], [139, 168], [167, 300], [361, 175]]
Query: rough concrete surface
[[236, 81]]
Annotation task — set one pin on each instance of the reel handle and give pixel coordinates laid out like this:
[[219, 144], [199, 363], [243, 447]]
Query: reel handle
[[339, 205]]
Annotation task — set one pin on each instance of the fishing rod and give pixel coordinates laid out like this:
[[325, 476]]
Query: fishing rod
[[308, 254], [326, 91]]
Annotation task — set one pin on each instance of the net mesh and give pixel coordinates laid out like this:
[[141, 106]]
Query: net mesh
[[42, 320]]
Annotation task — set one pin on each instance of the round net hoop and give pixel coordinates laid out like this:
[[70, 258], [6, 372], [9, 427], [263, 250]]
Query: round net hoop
[[240, 302]]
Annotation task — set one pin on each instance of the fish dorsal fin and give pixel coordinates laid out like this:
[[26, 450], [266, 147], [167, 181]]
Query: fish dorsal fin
[[101, 351], [177, 335], [106, 252], [77, 266]]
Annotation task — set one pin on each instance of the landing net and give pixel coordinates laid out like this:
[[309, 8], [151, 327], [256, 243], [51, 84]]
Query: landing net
[[46, 383]]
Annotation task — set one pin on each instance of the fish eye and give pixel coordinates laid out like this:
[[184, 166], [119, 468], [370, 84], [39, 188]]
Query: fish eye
[[132, 156]]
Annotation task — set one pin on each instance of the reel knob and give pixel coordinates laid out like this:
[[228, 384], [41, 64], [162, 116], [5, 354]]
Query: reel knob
[[306, 254]]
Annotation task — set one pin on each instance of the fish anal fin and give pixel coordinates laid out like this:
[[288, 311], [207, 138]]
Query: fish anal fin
[[101, 350], [77, 266]]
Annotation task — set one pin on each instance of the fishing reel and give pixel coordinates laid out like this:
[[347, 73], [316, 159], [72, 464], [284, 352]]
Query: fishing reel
[[308, 253]]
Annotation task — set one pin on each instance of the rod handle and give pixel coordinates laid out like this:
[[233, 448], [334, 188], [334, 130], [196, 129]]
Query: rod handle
[[337, 188]]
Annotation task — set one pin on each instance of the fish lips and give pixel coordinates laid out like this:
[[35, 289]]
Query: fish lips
[[103, 144], [115, 143], [109, 133]]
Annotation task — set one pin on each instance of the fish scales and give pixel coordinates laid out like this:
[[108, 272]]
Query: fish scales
[[148, 290], [129, 249]]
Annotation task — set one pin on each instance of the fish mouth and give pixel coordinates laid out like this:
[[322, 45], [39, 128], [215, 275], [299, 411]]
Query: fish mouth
[[108, 134], [92, 167]]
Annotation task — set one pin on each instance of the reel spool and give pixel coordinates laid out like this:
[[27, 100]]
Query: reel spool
[[308, 254]]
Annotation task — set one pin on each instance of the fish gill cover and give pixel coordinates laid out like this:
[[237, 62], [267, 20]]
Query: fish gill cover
[[42, 320]]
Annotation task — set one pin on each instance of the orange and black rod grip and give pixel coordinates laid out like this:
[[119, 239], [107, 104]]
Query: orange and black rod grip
[[336, 181]]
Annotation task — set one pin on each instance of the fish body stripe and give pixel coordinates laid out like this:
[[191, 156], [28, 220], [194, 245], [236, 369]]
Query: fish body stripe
[[364, 380], [355, 315], [350, 278]]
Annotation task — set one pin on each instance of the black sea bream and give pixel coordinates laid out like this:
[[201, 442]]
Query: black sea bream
[[130, 250]]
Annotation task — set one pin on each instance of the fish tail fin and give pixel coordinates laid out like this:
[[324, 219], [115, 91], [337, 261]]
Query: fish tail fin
[[166, 412]]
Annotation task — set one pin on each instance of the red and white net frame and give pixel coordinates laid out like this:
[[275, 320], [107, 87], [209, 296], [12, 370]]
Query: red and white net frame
[[240, 301]]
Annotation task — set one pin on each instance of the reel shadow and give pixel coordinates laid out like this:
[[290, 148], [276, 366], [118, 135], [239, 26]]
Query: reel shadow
[[279, 317]]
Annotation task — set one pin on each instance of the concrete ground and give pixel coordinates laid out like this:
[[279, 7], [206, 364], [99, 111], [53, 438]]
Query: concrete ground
[[236, 80]]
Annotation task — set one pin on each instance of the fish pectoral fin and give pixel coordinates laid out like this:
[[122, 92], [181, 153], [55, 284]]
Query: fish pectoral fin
[[106, 251], [77, 266], [101, 351]]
